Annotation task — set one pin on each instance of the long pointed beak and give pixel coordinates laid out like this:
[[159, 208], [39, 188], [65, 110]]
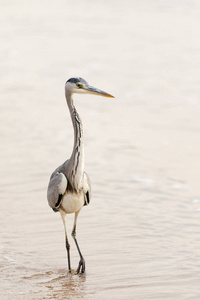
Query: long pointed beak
[[95, 91]]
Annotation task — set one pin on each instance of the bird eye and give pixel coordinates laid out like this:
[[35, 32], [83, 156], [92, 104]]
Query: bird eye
[[79, 85]]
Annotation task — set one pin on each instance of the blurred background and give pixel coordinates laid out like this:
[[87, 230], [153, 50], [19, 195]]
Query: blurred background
[[140, 234]]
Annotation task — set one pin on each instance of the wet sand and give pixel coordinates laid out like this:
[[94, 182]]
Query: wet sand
[[140, 234]]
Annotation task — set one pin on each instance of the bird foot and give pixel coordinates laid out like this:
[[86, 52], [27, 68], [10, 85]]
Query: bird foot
[[81, 266]]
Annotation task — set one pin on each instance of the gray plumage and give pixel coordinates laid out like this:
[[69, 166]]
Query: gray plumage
[[69, 186]]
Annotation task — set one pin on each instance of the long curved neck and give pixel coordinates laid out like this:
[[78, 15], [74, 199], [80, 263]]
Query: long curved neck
[[76, 161]]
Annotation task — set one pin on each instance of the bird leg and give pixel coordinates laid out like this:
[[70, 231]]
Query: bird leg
[[68, 254], [81, 266], [64, 218]]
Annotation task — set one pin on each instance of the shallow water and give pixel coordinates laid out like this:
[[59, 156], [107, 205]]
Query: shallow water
[[140, 234]]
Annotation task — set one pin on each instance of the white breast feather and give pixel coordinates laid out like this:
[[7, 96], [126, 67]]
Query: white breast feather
[[72, 203]]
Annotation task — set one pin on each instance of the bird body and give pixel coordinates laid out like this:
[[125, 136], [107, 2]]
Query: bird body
[[72, 202], [69, 187]]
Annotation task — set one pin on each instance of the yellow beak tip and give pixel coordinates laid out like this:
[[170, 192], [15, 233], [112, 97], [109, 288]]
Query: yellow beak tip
[[110, 96]]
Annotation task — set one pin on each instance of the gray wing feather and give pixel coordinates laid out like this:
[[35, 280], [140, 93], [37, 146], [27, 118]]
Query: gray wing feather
[[57, 186], [58, 179]]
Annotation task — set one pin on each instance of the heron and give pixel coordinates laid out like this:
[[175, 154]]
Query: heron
[[69, 186]]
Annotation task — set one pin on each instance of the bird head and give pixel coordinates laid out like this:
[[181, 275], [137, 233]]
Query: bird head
[[80, 86]]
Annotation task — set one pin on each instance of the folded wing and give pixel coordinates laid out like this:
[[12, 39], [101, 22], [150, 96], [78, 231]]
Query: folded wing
[[56, 189]]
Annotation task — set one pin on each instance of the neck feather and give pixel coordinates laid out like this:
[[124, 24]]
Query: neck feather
[[76, 161]]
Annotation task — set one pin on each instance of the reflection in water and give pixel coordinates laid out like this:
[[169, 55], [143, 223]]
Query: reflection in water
[[66, 286], [140, 233], [59, 285]]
